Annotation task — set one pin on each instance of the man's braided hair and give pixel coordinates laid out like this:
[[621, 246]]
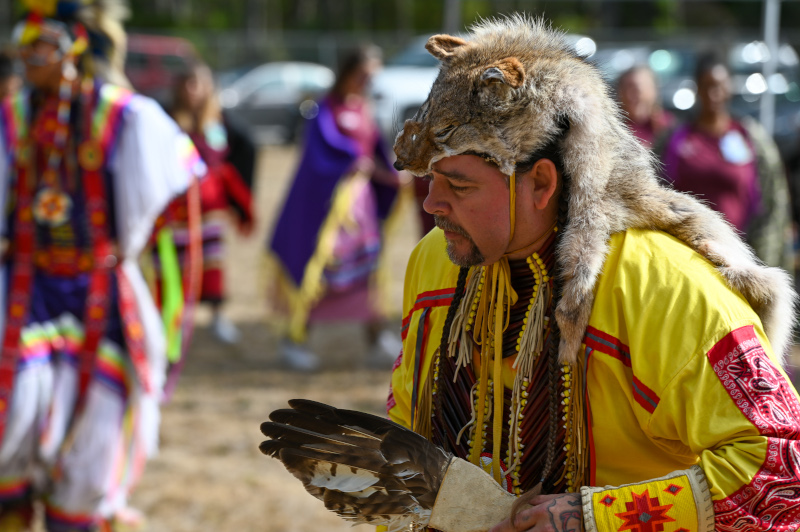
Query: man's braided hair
[[453, 308]]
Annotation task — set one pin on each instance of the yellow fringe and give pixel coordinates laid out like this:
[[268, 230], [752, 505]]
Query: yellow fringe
[[460, 328], [577, 463], [281, 291], [423, 424], [491, 319]]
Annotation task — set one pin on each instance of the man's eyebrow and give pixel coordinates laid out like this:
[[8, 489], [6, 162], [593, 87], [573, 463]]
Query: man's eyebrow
[[455, 175]]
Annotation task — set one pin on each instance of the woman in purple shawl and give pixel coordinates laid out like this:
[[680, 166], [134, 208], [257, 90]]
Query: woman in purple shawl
[[328, 237]]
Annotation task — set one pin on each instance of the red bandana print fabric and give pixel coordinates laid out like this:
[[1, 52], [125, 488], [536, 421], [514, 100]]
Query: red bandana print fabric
[[771, 501]]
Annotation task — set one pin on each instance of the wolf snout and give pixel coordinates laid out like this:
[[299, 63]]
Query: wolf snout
[[400, 165]]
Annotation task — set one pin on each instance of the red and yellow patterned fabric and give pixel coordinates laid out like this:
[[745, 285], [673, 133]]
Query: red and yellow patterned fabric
[[678, 502], [689, 412]]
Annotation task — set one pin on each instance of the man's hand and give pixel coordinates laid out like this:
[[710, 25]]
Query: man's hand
[[547, 513]]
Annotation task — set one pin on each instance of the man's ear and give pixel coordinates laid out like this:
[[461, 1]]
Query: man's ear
[[444, 46], [544, 176]]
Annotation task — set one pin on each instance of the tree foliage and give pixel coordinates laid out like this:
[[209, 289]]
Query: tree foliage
[[424, 16]]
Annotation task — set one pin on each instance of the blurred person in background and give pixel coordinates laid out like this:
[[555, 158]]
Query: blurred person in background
[[637, 92], [10, 81], [327, 239], [86, 166], [223, 190], [734, 165]]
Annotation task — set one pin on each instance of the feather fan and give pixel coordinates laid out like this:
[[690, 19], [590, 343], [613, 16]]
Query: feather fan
[[364, 468]]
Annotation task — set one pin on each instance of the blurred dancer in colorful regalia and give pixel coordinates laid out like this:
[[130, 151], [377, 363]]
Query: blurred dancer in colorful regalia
[[327, 239], [86, 166], [224, 190]]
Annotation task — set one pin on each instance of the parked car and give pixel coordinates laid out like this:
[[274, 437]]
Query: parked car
[[404, 83], [154, 61], [274, 99]]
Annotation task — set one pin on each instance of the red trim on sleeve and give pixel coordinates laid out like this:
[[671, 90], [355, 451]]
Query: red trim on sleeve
[[433, 298], [646, 397], [733, 344], [605, 343]]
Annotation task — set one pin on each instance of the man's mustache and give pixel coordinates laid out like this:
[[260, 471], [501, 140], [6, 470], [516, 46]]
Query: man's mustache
[[446, 225]]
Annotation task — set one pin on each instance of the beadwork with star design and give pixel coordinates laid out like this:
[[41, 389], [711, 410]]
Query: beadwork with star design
[[648, 509], [52, 207], [645, 514]]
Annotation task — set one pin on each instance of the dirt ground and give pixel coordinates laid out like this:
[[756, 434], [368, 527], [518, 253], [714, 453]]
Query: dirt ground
[[209, 475]]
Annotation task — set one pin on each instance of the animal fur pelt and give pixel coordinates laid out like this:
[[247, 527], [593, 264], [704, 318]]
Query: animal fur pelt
[[506, 91], [362, 467]]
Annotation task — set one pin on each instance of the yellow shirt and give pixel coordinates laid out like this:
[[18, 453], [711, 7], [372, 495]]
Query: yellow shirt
[[679, 374]]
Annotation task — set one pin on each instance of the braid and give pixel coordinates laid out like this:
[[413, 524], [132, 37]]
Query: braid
[[548, 481], [451, 311]]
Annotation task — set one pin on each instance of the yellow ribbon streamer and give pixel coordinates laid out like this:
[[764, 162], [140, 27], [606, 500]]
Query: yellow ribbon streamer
[[491, 320]]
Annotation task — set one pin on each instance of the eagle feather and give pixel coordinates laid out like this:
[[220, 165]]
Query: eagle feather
[[364, 468]]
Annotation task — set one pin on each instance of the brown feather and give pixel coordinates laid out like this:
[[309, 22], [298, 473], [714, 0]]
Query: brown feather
[[304, 436], [364, 468], [318, 424]]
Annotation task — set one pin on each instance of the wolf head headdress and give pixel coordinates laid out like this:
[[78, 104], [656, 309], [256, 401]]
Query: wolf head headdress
[[513, 87]]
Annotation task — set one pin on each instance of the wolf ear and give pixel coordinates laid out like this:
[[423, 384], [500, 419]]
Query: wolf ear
[[443, 46], [508, 71]]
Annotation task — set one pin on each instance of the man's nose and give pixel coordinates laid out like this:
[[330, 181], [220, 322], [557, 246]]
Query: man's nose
[[435, 202]]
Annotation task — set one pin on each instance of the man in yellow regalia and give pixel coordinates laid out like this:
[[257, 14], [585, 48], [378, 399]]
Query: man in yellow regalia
[[577, 328]]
